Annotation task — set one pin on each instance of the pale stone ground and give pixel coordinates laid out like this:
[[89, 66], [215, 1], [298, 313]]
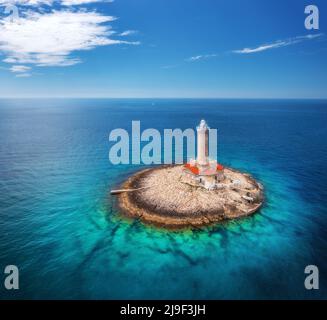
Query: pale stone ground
[[168, 198], [168, 189]]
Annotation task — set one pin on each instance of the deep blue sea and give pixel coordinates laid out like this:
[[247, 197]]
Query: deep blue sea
[[61, 228]]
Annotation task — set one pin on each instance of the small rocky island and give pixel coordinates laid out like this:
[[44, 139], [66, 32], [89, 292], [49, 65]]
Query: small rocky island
[[199, 193]]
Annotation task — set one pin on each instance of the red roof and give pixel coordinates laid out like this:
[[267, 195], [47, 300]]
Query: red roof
[[194, 170], [220, 167]]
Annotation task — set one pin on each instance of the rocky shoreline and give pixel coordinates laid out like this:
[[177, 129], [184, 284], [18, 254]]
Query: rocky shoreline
[[164, 200]]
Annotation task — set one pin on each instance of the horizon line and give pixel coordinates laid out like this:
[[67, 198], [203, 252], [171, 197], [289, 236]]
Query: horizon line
[[165, 98]]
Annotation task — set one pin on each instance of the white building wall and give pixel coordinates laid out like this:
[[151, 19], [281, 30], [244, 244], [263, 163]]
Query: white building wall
[[203, 143]]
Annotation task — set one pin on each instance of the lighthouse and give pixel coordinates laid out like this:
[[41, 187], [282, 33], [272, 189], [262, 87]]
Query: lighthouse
[[203, 171], [203, 143]]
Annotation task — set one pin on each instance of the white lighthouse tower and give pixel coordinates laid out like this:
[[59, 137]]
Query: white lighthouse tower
[[203, 144], [203, 171]]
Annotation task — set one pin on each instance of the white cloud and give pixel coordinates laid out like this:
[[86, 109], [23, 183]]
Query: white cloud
[[128, 33], [278, 44], [81, 2], [26, 2], [201, 57], [50, 39], [50, 2], [19, 69]]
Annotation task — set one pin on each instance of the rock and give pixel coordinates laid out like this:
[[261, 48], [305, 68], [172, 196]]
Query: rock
[[165, 200]]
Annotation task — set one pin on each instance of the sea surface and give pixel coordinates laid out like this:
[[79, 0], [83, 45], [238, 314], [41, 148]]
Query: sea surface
[[61, 228]]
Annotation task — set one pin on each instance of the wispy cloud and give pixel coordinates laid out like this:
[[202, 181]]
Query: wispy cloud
[[50, 39], [33, 3], [20, 69], [26, 2], [201, 57], [80, 2], [278, 44], [128, 33], [51, 32]]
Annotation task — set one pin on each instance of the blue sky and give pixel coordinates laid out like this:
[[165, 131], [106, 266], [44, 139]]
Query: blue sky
[[162, 48]]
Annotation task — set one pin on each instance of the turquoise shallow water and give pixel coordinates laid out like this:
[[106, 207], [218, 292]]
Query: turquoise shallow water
[[60, 226]]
